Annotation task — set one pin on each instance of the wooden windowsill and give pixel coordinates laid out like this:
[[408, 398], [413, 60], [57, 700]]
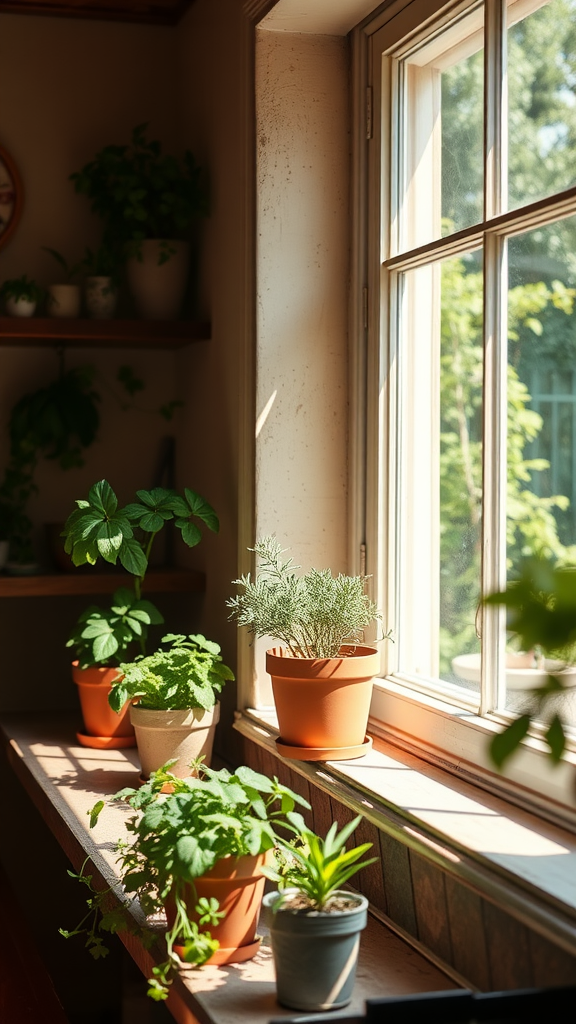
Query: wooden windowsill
[[520, 862], [64, 780]]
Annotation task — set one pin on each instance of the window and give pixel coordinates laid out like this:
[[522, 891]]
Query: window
[[471, 429]]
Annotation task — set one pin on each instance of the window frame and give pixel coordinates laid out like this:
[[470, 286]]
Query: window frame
[[406, 711]]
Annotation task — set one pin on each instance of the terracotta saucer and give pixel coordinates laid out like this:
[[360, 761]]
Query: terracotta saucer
[[323, 753], [105, 742]]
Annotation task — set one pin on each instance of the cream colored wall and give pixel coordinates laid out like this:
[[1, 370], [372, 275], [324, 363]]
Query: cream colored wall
[[302, 297]]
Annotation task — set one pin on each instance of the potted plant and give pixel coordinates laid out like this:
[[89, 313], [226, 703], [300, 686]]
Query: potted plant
[[172, 699], [322, 677], [100, 638], [64, 296], [148, 202], [198, 851], [21, 295], [315, 924], [99, 529], [101, 285]]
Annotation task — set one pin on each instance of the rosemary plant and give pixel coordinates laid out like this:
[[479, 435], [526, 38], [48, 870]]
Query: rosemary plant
[[313, 614]]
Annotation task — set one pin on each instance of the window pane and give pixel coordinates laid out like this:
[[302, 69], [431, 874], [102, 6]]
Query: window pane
[[441, 470], [541, 500], [541, 102], [443, 175]]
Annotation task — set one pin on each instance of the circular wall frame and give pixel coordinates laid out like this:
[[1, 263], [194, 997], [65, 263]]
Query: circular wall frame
[[11, 196]]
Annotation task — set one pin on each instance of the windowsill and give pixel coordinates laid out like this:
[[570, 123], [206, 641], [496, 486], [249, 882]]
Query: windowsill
[[516, 859]]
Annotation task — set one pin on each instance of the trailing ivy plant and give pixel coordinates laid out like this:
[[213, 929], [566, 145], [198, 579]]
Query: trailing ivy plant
[[190, 674], [178, 836], [100, 529], [313, 614]]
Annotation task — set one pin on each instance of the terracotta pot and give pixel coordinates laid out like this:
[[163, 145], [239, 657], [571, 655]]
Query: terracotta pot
[[158, 289], [104, 728], [238, 885], [163, 735], [323, 703]]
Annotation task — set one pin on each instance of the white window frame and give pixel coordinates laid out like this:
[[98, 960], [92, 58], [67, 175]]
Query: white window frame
[[404, 710]]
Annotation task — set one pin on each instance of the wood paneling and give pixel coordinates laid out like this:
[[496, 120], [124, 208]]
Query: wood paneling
[[159, 12], [431, 907], [508, 950], [550, 964], [398, 884], [469, 955]]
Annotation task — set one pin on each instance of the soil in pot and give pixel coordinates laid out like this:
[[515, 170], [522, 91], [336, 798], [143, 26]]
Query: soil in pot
[[316, 952]]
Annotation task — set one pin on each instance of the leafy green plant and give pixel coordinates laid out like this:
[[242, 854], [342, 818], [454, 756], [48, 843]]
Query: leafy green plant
[[317, 867], [98, 528], [190, 674], [178, 836], [141, 193], [540, 616], [22, 288], [105, 261], [103, 635], [313, 614], [69, 270]]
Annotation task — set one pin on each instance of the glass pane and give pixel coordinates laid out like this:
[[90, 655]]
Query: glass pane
[[441, 470], [541, 499], [443, 176], [541, 101]]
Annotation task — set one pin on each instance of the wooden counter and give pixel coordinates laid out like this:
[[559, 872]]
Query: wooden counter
[[64, 780]]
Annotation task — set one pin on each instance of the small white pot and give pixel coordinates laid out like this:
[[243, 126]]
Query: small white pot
[[101, 298], [63, 300], [158, 289], [163, 735], [20, 307]]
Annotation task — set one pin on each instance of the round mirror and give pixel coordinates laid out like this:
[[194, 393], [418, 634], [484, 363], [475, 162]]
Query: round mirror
[[10, 196]]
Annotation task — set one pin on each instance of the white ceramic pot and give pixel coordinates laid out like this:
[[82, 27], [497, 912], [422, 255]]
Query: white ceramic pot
[[163, 735], [101, 298], [63, 300], [158, 289], [20, 307]]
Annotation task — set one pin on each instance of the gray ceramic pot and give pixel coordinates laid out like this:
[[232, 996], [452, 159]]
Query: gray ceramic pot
[[315, 953]]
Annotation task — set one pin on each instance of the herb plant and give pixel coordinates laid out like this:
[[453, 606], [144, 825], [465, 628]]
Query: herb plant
[[190, 674], [141, 193], [179, 835], [313, 614], [317, 867], [21, 288]]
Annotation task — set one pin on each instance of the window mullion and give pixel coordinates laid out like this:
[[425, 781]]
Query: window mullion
[[495, 126]]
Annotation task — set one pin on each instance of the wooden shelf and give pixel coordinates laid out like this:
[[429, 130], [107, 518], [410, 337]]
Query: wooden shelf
[[52, 331], [155, 12], [158, 581]]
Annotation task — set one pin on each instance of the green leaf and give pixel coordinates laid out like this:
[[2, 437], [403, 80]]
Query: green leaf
[[556, 739], [190, 532], [133, 558], [199, 507], [117, 697], [94, 812], [505, 743]]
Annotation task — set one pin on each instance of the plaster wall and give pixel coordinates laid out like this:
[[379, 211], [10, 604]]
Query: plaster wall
[[302, 313]]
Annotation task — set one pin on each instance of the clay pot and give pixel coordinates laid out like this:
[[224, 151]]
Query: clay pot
[[158, 289], [163, 735], [103, 727], [323, 703], [238, 885]]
